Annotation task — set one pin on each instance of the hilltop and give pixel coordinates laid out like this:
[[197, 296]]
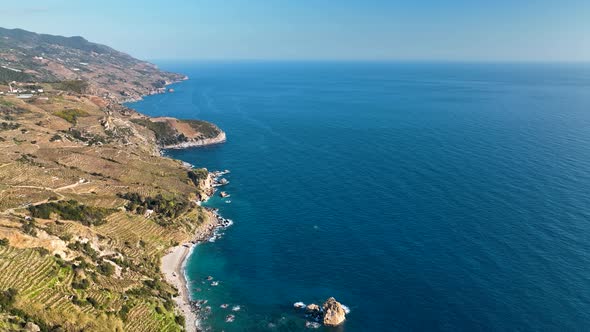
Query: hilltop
[[30, 57], [88, 205]]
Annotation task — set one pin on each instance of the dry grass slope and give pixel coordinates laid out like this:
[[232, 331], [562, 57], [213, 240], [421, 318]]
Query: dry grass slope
[[69, 274]]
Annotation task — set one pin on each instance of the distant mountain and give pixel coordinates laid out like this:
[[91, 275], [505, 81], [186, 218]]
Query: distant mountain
[[111, 74]]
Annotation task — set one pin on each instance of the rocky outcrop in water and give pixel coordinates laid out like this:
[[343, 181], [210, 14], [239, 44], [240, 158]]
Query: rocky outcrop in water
[[331, 313], [334, 313]]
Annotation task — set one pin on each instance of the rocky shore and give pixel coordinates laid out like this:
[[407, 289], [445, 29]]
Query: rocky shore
[[173, 263], [195, 143]]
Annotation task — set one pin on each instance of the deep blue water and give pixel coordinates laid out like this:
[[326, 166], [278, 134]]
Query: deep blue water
[[426, 197]]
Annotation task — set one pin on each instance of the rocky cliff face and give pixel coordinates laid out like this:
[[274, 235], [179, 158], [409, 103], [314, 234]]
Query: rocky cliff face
[[198, 142]]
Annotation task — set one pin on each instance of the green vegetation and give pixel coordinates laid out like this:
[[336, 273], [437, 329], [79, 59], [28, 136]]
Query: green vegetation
[[162, 206], [208, 130], [7, 298], [9, 111], [28, 227], [85, 248], [71, 210], [197, 175], [106, 268], [4, 242], [7, 75], [8, 126], [82, 284], [165, 134], [77, 86], [29, 159], [89, 138], [71, 115]]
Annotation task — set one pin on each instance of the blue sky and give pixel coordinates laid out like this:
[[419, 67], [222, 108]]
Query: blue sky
[[459, 30]]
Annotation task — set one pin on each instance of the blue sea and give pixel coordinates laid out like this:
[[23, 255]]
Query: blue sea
[[423, 196]]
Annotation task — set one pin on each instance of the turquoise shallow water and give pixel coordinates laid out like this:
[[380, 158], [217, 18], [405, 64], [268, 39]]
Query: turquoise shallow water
[[434, 197]]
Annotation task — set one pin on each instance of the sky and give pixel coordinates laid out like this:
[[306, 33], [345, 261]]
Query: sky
[[420, 30]]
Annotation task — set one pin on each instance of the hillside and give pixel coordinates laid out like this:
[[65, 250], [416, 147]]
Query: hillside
[[88, 206], [28, 56], [86, 211]]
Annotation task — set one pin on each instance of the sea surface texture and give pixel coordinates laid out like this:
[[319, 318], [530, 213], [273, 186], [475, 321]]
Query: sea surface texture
[[425, 197]]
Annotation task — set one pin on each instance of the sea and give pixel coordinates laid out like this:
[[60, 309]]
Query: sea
[[423, 196]]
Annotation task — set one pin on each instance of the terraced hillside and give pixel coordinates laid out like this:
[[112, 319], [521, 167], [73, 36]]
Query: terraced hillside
[[28, 56], [87, 209]]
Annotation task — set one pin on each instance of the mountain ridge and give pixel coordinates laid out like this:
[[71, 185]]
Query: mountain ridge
[[111, 74]]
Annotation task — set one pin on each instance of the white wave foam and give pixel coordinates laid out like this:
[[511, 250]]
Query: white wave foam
[[312, 325], [299, 305], [346, 309]]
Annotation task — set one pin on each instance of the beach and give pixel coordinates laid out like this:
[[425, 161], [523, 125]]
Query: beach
[[172, 266]]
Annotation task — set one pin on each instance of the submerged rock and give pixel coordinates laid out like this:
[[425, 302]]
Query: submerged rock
[[334, 313], [312, 308], [313, 311], [312, 325]]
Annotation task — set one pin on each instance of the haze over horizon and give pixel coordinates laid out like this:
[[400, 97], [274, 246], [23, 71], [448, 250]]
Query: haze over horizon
[[457, 30]]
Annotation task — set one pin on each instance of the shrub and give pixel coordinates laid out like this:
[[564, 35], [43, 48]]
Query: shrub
[[198, 174], [165, 134], [207, 130], [82, 284], [42, 251], [166, 207], [106, 268], [85, 248], [93, 302], [4, 242], [124, 311], [9, 126], [28, 227], [71, 115], [179, 320], [77, 86], [7, 298], [71, 210]]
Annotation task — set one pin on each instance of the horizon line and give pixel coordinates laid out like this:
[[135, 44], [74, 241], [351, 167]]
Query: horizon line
[[328, 60]]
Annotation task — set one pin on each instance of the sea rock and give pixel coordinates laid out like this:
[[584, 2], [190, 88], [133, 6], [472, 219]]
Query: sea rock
[[334, 314], [314, 312], [312, 308]]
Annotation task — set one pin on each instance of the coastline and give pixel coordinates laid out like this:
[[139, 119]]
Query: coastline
[[173, 267], [173, 263], [219, 139]]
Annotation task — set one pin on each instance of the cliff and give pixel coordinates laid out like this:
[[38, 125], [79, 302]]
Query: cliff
[[173, 133]]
